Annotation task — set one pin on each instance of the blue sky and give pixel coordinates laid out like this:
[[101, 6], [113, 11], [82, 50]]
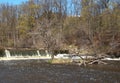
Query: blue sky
[[13, 2]]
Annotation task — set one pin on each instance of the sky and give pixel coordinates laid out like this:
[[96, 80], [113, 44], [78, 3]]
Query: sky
[[13, 2]]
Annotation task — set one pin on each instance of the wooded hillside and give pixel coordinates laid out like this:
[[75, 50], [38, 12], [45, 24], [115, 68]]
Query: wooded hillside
[[61, 24]]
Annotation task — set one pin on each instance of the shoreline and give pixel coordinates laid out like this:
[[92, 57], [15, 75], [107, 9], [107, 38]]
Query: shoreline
[[44, 58]]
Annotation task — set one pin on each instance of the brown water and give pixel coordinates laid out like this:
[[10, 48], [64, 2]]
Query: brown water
[[37, 71]]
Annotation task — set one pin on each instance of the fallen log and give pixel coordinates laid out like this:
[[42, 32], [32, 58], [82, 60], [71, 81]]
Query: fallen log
[[96, 62], [97, 59]]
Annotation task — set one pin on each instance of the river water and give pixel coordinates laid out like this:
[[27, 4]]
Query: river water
[[38, 71]]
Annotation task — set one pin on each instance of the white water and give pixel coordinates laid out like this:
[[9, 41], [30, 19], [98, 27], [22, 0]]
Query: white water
[[112, 59], [8, 56], [47, 53], [38, 53], [7, 53]]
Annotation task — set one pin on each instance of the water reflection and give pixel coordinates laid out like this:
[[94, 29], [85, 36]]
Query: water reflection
[[35, 71]]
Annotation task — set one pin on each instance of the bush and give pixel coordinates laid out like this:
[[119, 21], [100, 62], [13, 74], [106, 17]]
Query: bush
[[2, 52]]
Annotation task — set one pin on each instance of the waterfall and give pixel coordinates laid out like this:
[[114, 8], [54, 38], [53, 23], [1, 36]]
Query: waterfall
[[38, 53], [7, 53], [24, 53], [47, 54]]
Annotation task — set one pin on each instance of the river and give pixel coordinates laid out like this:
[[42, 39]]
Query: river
[[38, 71]]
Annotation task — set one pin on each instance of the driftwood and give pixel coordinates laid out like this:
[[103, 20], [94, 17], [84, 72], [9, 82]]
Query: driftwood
[[95, 60], [84, 62], [98, 59]]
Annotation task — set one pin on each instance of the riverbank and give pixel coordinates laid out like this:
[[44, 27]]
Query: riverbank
[[55, 60], [42, 58]]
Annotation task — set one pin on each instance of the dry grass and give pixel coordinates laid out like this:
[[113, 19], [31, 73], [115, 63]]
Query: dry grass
[[57, 61]]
